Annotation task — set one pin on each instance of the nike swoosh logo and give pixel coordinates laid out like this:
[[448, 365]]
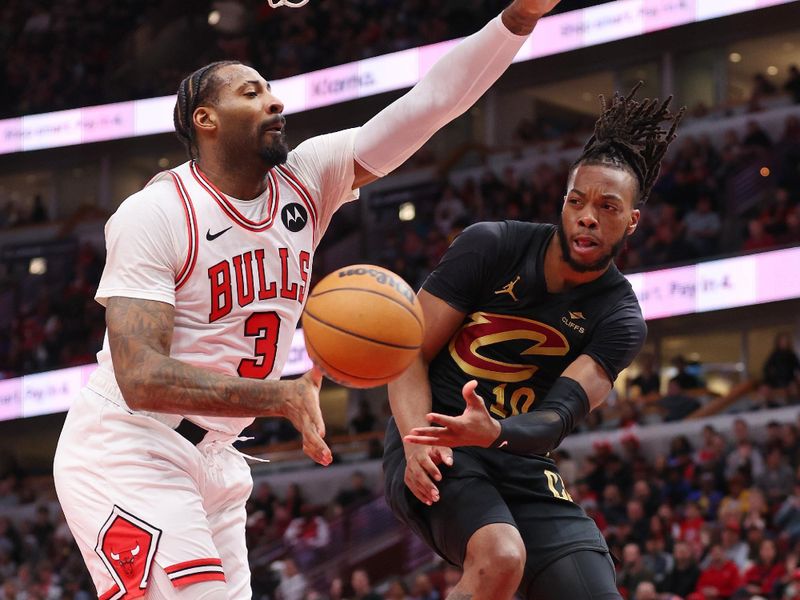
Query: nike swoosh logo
[[212, 236]]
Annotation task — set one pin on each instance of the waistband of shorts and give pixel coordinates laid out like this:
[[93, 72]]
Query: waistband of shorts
[[103, 383]]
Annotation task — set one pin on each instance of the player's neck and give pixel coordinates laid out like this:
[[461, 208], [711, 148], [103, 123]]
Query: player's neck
[[558, 275], [240, 180]]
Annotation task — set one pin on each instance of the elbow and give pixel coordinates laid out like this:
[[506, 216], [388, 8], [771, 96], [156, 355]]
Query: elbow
[[133, 386]]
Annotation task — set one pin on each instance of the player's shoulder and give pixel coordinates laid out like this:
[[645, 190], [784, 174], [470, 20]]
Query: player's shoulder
[[159, 199], [321, 147], [619, 299]]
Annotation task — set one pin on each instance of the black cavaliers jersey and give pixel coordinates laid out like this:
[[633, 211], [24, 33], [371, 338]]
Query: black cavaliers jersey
[[518, 338]]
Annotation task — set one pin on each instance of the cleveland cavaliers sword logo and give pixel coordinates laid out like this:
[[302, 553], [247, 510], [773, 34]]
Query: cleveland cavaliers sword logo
[[485, 329]]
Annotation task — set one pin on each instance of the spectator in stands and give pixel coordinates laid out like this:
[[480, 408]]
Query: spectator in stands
[[613, 506], [781, 371], [647, 383], [736, 502], [787, 518], [719, 580], [706, 496], [733, 546], [712, 452], [763, 87], [293, 501], [792, 85], [776, 480], [357, 494], [423, 588], [703, 227], [293, 583], [449, 210], [677, 403], [306, 535], [765, 575], [756, 141], [362, 588], [336, 589], [638, 521], [646, 590], [364, 421], [657, 560], [681, 581], [687, 374], [757, 237], [633, 570], [745, 456], [397, 590], [791, 235], [264, 500]]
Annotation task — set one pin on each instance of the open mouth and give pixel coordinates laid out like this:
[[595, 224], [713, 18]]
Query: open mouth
[[584, 244], [275, 127]]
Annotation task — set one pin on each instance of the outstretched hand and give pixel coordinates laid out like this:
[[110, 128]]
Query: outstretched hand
[[302, 409], [474, 427], [536, 7]]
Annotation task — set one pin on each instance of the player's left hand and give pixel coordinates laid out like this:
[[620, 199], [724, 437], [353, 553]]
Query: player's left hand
[[474, 427]]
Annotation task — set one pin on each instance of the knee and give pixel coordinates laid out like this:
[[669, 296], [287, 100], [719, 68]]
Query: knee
[[498, 557]]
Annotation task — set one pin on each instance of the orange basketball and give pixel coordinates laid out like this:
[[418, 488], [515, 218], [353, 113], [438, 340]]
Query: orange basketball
[[363, 326]]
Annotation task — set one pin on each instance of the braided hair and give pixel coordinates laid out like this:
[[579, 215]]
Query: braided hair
[[628, 136], [201, 87]]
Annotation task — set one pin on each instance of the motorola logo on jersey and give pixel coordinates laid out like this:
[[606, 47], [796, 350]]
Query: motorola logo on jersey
[[468, 346], [294, 217]]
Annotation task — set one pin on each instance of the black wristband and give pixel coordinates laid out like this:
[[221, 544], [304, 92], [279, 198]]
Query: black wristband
[[543, 429]]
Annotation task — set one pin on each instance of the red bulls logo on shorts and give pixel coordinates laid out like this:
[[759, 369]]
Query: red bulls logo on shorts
[[127, 546]]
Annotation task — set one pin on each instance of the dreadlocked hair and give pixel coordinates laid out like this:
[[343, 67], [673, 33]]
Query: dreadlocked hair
[[197, 89], [628, 135]]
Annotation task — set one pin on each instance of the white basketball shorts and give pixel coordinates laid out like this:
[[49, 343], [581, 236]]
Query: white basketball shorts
[[134, 492]]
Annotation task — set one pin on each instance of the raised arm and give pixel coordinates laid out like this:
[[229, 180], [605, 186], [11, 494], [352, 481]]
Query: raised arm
[[452, 85], [140, 336]]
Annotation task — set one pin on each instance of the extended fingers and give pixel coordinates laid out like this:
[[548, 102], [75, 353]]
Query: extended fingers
[[420, 473], [470, 396], [315, 447], [429, 440]]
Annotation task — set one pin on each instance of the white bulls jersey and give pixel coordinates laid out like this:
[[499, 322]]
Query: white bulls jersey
[[237, 272]]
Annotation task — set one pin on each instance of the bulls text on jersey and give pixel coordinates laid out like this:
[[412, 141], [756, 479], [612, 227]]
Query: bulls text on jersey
[[235, 278]]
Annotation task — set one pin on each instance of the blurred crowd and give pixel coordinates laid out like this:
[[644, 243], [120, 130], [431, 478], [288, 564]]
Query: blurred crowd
[[737, 194], [740, 193], [69, 53], [56, 322], [715, 517]]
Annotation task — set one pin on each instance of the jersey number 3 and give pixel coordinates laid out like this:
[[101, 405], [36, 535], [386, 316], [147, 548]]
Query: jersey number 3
[[265, 328]]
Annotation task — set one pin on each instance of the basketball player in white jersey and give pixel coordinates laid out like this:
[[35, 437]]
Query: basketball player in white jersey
[[206, 276]]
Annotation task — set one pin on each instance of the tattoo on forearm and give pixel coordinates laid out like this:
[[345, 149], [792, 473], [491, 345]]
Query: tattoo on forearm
[[140, 336]]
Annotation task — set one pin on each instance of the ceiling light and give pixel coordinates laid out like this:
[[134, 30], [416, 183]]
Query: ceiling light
[[407, 211], [735, 57], [772, 70], [214, 17]]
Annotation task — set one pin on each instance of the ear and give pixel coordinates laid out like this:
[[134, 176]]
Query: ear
[[634, 220], [205, 118]]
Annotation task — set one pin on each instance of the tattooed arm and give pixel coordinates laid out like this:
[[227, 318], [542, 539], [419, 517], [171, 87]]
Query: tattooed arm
[[140, 336]]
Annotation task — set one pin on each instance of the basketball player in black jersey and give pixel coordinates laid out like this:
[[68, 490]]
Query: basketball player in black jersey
[[528, 325]]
